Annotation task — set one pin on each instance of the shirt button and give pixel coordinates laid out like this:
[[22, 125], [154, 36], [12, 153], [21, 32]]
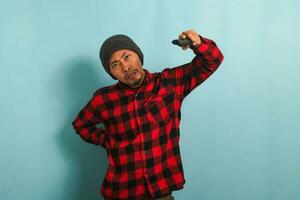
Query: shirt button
[[144, 152]]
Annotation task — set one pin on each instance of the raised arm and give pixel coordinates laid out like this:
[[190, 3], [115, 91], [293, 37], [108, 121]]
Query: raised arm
[[188, 76]]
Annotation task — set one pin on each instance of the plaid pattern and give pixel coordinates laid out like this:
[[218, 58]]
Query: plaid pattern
[[141, 133]]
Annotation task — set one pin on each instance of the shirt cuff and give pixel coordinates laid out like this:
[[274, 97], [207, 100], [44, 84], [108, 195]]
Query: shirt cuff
[[203, 47]]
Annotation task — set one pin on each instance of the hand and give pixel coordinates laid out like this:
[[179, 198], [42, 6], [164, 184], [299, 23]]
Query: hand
[[193, 36]]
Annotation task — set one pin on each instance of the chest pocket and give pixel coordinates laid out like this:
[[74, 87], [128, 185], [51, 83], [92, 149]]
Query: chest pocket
[[160, 108]]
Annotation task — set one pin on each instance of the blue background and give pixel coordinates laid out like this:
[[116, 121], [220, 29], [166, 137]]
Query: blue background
[[240, 130]]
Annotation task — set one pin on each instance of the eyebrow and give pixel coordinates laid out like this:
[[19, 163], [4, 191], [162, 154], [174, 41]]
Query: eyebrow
[[124, 53]]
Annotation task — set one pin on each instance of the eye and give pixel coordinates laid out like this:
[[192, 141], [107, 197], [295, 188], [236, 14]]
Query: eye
[[127, 56], [115, 66]]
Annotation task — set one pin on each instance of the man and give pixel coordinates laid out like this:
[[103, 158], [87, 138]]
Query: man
[[141, 116]]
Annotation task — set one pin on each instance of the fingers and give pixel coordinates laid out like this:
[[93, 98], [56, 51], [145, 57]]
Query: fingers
[[192, 35]]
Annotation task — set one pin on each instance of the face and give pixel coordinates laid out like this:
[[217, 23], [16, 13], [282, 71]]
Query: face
[[126, 66]]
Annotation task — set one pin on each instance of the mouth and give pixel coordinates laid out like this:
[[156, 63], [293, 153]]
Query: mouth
[[131, 75]]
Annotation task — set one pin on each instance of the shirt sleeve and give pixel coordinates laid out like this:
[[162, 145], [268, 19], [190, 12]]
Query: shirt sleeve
[[85, 123], [187, 77]]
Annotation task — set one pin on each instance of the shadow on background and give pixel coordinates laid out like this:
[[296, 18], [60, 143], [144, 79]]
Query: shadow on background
[[86, 163]]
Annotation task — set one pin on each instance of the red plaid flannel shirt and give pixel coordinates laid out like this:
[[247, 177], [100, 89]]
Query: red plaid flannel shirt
[[141, 133]]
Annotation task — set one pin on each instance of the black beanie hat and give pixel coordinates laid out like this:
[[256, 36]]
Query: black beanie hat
[[115, 43]]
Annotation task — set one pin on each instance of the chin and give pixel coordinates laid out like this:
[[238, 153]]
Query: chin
[[136, 82]]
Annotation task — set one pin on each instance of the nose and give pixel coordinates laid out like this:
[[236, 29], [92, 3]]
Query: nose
[[126, 66]]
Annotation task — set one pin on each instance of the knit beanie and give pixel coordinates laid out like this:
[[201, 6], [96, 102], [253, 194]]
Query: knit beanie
[[115, 43]]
